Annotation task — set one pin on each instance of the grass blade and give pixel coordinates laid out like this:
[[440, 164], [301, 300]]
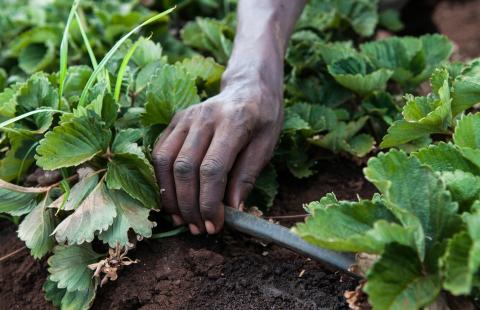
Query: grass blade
[[91, 54], [93, 59], [64, 51], [123, 68], [109, 55], [25, 115], [170, 233]]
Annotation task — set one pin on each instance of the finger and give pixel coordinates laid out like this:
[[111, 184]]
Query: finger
[[163, 156], [186, 172], [247, 168], [225, 146]]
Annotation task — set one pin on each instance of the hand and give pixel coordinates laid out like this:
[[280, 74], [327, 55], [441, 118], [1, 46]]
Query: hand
[[213, 152]]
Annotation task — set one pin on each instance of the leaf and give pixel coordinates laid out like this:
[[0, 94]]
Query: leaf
[[466, 88], [362, 15], [80, 299], [125, 142], [53, 294], [135, 176], [68, 266], [362, 226], [36, 57], [204, 68], [73, 143], [467, 137], [445, 157], [360, 76], [397, 281], [130, 215], [464, 187], [361, 145], [36, 229], [209, 35], [95, 214], [18, 159], [313, 118], [18, 200], [77, 193], [460, 263], [75, 81], [265, 189], [171, 89], [390, 19], [147, 52], [416, 196], [422, 116]]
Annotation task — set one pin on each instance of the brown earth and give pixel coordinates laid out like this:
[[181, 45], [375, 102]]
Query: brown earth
[[230, 271]]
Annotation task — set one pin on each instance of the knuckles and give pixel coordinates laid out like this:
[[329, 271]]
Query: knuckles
[[183, 168], [162, 160], [211, 168]]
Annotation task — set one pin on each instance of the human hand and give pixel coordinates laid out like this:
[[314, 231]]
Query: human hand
[[213, 152]]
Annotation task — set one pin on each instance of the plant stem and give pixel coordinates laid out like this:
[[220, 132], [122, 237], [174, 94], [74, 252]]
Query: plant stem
[[11, 254], [170, 233]]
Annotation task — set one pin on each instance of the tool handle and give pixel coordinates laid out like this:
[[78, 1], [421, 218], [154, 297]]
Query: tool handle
[[265, 230]]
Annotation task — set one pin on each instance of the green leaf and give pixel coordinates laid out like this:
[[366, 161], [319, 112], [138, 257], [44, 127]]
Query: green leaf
[[397, 281], [265, 189], [390, 19], [361, 145], [68, 266], [36, 230], [313, 118], [466, 88], [80, 299], [147, 52], [18, 159], [135, 176], [460, 263], [209, 35], [423, 116], [77, 193], [204, 68], [126, 142], [130, 215], [75, 81], [416, 196], [53, 294], [171, 89], [18, 200], [464, 187], [73, 143], [95, 214], [445, 157], [362, 226], [362, 15], [467, 137], [359, 75], [36, 57]]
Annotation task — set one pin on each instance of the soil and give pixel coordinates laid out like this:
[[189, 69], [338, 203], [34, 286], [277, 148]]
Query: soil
[[229, 271]]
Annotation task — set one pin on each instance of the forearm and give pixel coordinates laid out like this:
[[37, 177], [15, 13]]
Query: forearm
[[263, 31]]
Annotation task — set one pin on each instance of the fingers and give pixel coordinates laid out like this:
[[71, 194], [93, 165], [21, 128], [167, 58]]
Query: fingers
[[222, 153], [248, 166], [164, 154], [186, 172]]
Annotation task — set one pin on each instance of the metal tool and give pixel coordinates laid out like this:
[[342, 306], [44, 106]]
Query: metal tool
[[265, 230]]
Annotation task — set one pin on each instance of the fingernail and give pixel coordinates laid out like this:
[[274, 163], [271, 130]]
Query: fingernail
[[210, 227], [194, 229], [177, 220]]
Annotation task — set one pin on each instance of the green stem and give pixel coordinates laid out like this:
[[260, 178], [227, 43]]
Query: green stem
[[170, 233]]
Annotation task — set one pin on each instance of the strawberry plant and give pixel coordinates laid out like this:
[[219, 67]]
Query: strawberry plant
[[423, 225]]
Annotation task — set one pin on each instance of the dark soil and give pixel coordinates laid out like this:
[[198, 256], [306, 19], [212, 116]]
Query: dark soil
[[230, 271]]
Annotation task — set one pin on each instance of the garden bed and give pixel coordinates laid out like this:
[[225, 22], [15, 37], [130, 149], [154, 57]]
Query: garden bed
[[228, 271]]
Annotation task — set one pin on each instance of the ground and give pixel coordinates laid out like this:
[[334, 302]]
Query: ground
[[230, 270]]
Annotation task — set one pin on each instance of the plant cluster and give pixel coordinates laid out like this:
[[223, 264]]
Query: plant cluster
[[423, 226]]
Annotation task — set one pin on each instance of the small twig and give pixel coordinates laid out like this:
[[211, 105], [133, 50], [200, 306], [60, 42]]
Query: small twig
[[11, 254], [287, 217]]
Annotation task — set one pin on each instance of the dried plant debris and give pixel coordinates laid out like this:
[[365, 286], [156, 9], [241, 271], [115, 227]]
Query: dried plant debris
[[107, 269]]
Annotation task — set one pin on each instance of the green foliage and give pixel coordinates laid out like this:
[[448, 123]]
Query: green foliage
[[424, 225]]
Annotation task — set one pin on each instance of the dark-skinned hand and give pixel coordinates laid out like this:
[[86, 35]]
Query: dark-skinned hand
[[213, 152]]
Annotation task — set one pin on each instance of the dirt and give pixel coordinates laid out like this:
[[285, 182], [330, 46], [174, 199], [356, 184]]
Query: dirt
[[460, 22], [229, 271]]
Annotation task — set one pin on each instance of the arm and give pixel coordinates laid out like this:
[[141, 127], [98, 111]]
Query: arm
[[214, 151]]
